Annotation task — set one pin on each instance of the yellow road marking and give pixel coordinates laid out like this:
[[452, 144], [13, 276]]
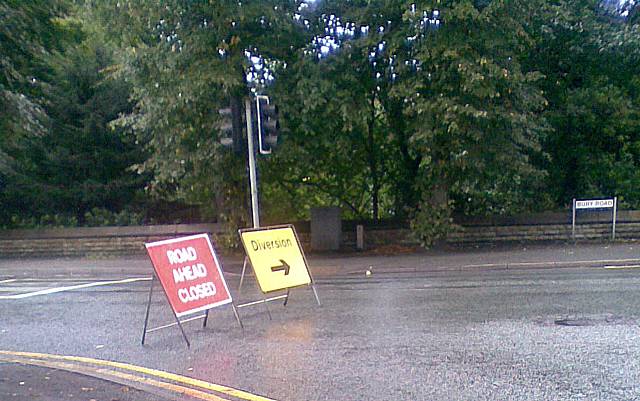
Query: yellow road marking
[[168, 386], [148, 371]]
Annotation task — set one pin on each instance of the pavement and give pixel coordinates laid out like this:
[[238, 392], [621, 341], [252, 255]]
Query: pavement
[[25, 382], [47, 377], [511, 256]]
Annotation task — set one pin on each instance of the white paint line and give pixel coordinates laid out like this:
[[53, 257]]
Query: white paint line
[[262, 301], [73, 287], [175, 323], [11, 280], [623, 267], [484, 265], [552, 263], [62, 280], [247, 274]]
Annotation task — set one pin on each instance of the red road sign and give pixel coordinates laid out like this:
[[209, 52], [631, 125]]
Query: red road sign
[[190, 273]]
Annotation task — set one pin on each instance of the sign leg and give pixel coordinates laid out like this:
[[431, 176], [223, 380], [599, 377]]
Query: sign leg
[[315, 293], [206, 317], [287, 298], [615, 212], [573, 220], [244, 270], [235, 312], [264, 302], [146, 317], [182, 330]]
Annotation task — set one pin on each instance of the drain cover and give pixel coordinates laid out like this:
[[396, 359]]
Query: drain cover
[[607, 320], [576, 322]]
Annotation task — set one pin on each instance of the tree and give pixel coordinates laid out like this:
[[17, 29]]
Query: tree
[[475, 115], [337, 144], [590, 64], [82, 162], [423, 109], [184, 61], [29, 32], [61, 158]]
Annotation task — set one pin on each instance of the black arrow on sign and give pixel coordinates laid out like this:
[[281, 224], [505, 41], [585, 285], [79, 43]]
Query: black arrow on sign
[[284, 266]]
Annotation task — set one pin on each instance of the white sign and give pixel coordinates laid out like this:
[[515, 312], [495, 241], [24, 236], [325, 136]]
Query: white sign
[[594, 204]]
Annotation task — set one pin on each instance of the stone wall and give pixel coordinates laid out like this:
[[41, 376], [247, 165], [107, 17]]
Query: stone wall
[[95, 241], [499, 234], [114, 241]]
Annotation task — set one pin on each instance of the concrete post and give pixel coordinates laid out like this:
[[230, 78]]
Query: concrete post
[[326, 229]]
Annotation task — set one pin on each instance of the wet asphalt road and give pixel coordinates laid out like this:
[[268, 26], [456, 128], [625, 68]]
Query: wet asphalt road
[[420, 327]]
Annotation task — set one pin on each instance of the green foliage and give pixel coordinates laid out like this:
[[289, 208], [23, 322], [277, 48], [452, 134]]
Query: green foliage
[[84, 161], [432, 222], [28, 32], [475, 117], [44, 221], [597, 144], [335, 137], [590, 64], [172, 57], [98, 217], [510, 106], [68, 160]]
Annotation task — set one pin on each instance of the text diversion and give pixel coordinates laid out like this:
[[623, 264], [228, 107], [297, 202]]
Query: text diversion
[[190, 273]]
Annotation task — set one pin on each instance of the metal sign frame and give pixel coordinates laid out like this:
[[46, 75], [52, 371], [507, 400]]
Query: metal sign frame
[[179, 322], [247, 261], [597, 205]]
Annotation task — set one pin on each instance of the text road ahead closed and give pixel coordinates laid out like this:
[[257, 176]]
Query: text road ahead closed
[[276, 257], [190, 273]]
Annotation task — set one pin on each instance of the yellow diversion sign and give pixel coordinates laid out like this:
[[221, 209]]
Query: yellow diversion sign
[[276, 257]]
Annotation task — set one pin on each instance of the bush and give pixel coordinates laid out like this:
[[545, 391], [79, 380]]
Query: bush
[[46, 220], [99, 217], [432, 222]]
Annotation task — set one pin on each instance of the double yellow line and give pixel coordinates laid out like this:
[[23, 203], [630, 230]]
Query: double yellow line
[[131, 374]]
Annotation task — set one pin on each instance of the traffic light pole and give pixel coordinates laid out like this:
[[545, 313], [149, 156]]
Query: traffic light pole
[[255, 210], [253, 181]]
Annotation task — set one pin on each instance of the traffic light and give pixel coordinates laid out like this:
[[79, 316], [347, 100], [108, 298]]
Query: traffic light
[[267, 123], [231, 126]]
